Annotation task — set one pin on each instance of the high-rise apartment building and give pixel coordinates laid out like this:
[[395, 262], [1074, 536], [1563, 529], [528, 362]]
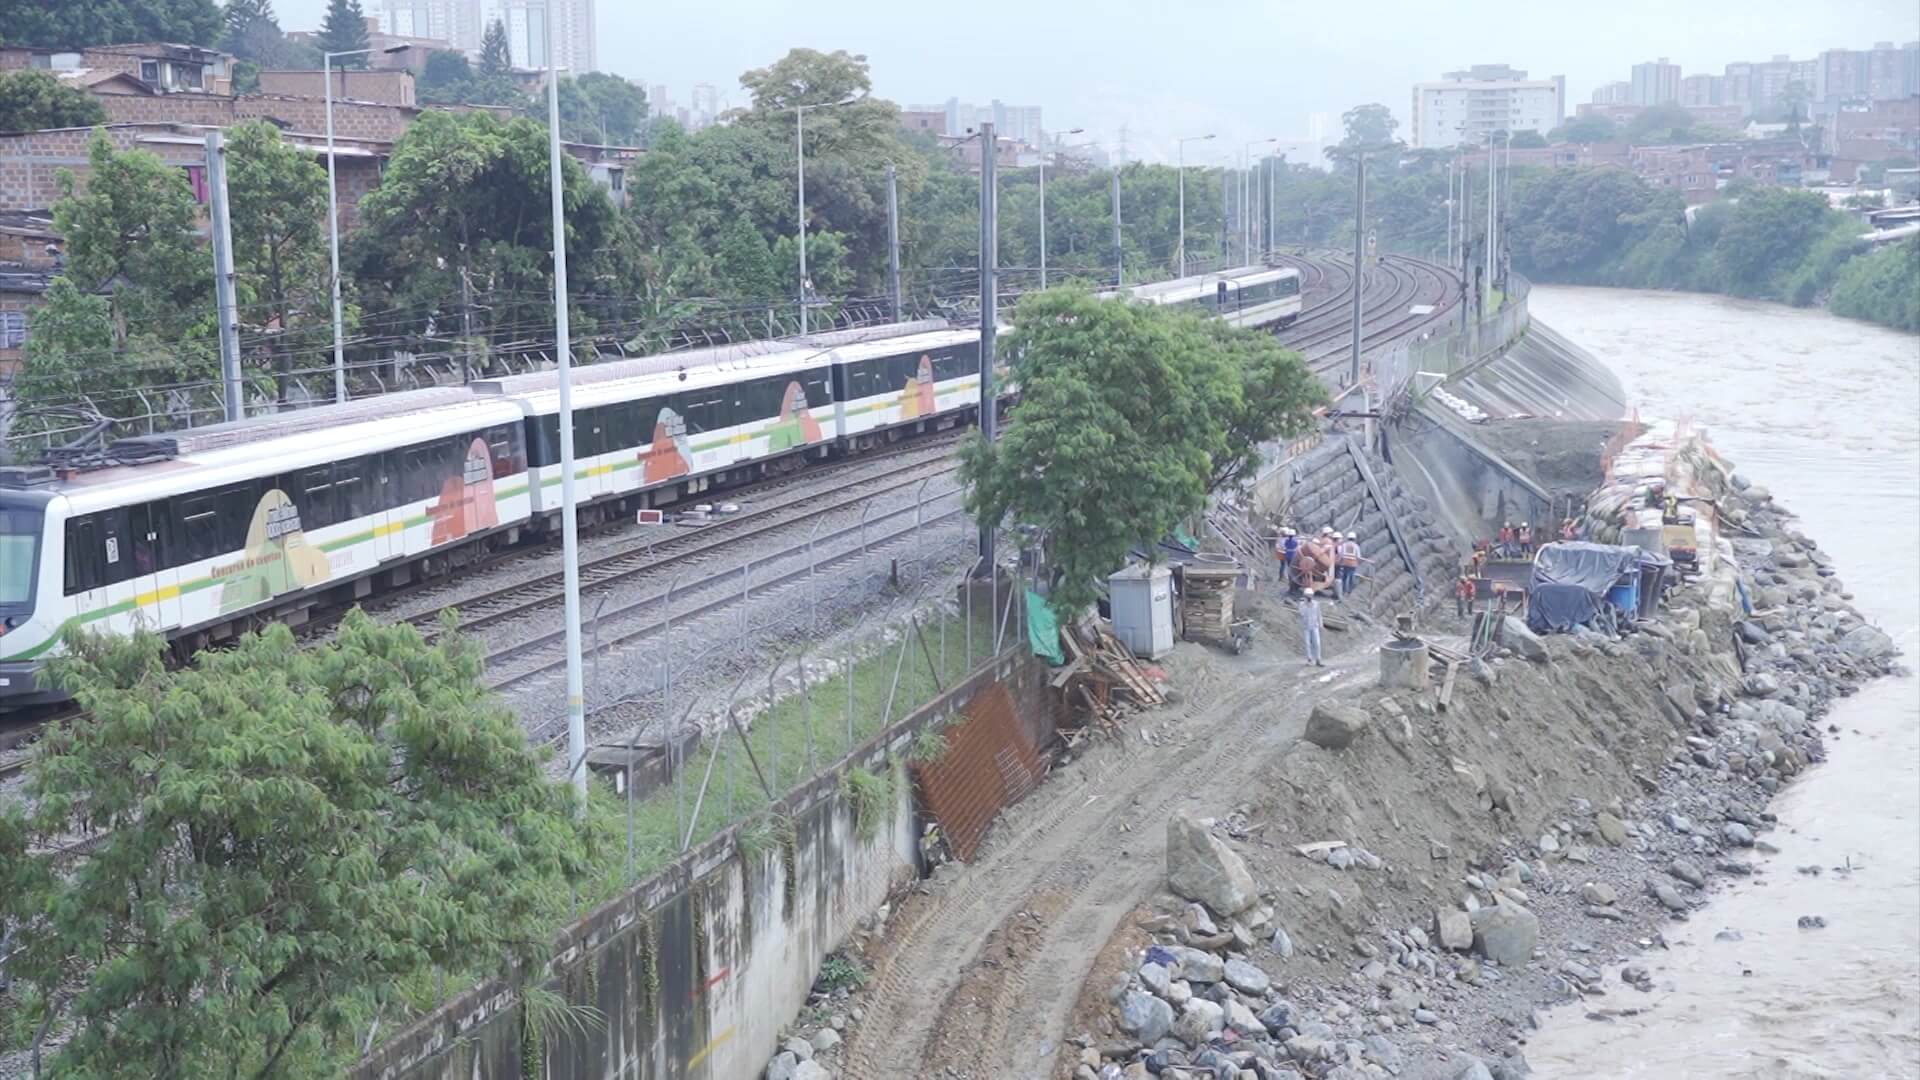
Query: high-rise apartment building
[[1656, 82], [465, 22], [1466, 106], [1614, 93], [1021, 123], [1700, 91]]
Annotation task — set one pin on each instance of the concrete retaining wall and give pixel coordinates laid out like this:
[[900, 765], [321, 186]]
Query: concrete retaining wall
[[698, 968], [1324, 487]]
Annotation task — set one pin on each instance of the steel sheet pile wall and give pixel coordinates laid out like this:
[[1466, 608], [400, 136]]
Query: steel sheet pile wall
[[697, 968]]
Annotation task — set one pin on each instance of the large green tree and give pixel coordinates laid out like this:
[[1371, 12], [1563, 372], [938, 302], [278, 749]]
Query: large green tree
[[344, 29], [277, 837], [1882, 286], [279, 212], [1127, 413], [34, 100], [67, 24], [462, 208], [132, 307], [600, 108]]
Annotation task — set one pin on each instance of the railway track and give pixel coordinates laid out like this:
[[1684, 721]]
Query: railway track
[[679, 546], [523, 663]]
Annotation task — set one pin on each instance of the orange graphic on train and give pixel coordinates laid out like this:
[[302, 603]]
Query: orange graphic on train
[[668, 455], [796, 426], [466, 501], [916, 397]]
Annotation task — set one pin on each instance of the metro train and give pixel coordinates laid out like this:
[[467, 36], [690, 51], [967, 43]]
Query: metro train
[[200, 533]]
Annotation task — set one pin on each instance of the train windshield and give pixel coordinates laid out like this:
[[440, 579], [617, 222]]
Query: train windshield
[[19, 555]]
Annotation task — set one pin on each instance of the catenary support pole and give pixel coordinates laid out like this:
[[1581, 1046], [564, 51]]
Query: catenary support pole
[[333, 241], [893, 242], [569, 501], [1359, 256], [989, 258], [223, 293], [1493, 193], [1043, 218], [800, 162], [1119, 250]]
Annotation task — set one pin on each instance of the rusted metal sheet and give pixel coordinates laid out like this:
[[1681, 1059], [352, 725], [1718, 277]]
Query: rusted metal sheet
[[989, 765]]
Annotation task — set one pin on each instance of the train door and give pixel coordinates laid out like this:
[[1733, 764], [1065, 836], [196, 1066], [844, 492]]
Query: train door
[[92, 547], [157, 583]]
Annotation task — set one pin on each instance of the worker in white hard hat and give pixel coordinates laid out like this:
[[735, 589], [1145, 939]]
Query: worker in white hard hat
[[1348, 566], [1310, 628]]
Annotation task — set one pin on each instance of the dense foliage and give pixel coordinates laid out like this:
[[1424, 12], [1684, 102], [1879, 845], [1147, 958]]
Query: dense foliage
[[278, 836], [1883, 286], [67, 24], [1606, 227], [344, 30], [31, 100], [1129, 414]]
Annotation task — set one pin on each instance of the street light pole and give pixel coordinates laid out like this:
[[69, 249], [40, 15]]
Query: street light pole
[[1180, 155], [569, 518], [1043, 206], [333, 229], [1247, 231], [800, 159]]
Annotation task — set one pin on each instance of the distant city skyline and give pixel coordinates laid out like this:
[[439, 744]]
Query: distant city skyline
[[1169, 71]]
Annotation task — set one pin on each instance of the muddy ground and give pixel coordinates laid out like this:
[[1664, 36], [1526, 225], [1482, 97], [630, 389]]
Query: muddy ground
[[1601, 788]]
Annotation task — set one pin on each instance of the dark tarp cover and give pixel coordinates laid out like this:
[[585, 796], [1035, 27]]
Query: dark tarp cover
[[1557, 609], [1593, 567]]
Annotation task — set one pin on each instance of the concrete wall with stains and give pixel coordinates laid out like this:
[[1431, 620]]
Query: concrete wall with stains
[[697, 969]]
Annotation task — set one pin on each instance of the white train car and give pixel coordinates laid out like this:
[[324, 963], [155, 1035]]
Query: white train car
[[217, 528], [918, 382], [1249, 296]]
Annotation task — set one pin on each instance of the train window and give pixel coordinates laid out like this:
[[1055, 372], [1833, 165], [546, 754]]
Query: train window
[[200, 521], [503, 450], [19, 553], [353, 488], [116, 554], [83, 555], [420, 472], [622, 424], [146, 553], [313, 495], [235, 506], [590, 432]]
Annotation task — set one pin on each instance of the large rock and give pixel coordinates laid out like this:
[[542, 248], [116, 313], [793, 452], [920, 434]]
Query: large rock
[[812, 1070], [1199, 1022], [1454, 929], [782, 1066], [1198, 965], [1145, 1017], [1246, 978], [801, 1049], [1611, 829], [1202, 867], [1155, 978], [825, 1039], [1866, 642], [1505, 933], [1525, 644], [1334, 727]]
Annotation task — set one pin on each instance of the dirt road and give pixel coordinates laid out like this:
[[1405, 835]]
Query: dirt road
[[978, 979]]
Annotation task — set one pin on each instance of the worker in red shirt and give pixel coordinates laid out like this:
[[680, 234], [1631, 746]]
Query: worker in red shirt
[[1505, 548], [1463, 595]]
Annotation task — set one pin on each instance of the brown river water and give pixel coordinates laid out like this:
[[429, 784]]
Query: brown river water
[[1825, 412]]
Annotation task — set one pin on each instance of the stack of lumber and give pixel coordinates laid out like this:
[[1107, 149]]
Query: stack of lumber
[[1097, 665], [1206, 603]]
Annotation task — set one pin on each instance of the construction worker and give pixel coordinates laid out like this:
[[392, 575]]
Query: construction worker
[[1349, 564], [1289, 555], [1526, 539], [1310, 628], [1463, 595], [1504, 548]]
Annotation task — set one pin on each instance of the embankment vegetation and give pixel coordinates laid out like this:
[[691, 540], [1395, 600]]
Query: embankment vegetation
[[1604, 226]]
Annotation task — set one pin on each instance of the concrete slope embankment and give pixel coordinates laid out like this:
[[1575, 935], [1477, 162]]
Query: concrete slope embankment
[[1543, 374]]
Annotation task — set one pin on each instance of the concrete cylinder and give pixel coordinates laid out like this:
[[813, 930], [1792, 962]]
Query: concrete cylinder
[[1403, 664]]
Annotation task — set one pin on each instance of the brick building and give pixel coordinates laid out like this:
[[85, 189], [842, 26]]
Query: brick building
[[384, 87], [160, 67]]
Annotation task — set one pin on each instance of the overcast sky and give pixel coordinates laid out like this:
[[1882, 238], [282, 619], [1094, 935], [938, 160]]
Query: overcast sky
[[1244, 70]]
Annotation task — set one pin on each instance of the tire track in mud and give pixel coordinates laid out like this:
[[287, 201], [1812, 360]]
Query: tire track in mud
[[936, 1005]]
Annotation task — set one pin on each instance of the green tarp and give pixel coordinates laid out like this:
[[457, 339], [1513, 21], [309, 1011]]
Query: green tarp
[[1043, 633]]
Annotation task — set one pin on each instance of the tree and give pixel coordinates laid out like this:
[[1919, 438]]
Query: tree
[[1766, 239], [35, 100], [496, 59], [238, 18], [133, 304], [745, 261], [1880, 286], [1124, 418], [279, 212], [600, 108], [1528, 140], [344, 30], [282, 834], [1587, 128], [1276, 399], [445, 79], [467, 194], [67, 24], [1369, 128]]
